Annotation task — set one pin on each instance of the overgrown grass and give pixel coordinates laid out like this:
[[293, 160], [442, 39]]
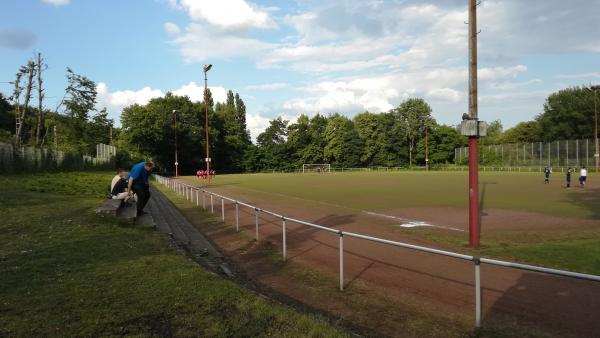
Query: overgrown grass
[[67, 272]]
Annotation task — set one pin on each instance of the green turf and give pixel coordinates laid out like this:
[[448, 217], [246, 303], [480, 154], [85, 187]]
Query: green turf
[[572, 248], [65, 271], [378, 191]]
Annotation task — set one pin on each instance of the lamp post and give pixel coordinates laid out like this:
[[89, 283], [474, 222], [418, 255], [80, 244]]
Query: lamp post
[[175, 128], [594, 90], [207, 67]]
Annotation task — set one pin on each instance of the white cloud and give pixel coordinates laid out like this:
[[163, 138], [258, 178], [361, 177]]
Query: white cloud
[[116, 101], [256, 124], [57, 2], [196, 92], [514, 85], [201, 42], [171, 28], [268, 86], [228, 14]]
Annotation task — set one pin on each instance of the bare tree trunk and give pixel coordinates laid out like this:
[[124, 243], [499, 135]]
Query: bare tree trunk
[[17, 99], [40, 122], [30, 69]]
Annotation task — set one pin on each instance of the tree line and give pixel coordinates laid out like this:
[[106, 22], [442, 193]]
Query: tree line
[[404, 136]]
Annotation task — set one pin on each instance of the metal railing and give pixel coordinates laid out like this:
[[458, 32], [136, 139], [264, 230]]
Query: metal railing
[[187, 191]]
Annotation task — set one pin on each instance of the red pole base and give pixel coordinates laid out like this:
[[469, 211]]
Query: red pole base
[[474, 230]]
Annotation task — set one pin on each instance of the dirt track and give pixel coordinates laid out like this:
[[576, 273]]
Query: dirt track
[[437, 283]]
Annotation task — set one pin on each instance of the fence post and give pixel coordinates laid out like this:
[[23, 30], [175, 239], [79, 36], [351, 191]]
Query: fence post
[[341, 234], [477, 291], [204, 200], [284, 242], [256, 221], [197, 200], [212, 205], [223, 210], [237, 216]]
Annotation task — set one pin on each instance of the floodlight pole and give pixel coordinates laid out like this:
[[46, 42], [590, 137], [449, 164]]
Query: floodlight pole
[[473, 140], [207, 159], [176, 150]]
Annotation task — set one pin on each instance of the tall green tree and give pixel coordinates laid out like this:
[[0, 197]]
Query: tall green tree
[[568, 114], [344, 145], [80, 100], [415, 114]]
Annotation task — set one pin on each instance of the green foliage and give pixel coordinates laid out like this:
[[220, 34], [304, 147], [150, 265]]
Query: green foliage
[[344, 145], [568, 114], [68, 272], [415, 115], [522, 133]]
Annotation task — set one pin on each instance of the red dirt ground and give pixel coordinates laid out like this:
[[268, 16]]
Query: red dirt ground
[[439, 283]]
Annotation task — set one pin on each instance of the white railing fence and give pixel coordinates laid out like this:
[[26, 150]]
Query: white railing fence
[[187, 191]]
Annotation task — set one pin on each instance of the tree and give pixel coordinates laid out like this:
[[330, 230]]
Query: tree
[[416, 116], [21, 113], [343, 146], [442, 141], [79, 102], [41, 67], [272, 149], [494, 133], [523, 132], [568, 114]]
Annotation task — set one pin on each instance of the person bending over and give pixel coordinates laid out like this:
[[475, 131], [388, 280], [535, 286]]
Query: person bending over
[[138, 183]]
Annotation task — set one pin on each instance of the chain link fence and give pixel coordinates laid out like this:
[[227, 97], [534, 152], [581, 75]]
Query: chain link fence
[[564, 153]]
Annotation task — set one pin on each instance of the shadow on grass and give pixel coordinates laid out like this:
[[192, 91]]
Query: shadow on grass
[[586, 198]]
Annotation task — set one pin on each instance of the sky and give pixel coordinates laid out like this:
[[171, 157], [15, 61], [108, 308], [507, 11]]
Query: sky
[[287, 58]]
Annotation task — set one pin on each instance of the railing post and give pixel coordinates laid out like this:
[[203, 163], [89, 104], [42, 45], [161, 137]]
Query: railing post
[[204, 200], [477, 291], [284, 243], [223, 210], [237, 216], [256, 221], [197, 199], [341, 234], [212, 205]]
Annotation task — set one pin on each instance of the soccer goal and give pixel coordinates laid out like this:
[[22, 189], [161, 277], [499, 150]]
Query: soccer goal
[[316, 168]]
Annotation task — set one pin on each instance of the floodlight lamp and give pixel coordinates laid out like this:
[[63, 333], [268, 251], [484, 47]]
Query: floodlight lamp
[[207, 67]]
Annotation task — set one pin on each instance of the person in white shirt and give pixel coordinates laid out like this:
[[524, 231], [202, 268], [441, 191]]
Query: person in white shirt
[[118, 186], [582, 177]]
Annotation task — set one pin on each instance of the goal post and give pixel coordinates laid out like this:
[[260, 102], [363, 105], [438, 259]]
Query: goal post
[[316, 168]]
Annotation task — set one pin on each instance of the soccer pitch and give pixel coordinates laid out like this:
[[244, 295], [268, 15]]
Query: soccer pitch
[[522, 193]]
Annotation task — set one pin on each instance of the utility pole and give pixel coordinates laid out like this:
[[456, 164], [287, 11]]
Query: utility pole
[[55, 139], [207, 67], [176, 150], [474, 230]]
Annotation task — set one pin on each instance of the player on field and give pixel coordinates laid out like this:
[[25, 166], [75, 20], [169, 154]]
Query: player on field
[[568, 177], [582, 177], [547, 172], [198, 173]]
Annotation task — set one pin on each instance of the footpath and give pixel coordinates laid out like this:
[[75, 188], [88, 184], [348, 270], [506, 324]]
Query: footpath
[[168, 219]]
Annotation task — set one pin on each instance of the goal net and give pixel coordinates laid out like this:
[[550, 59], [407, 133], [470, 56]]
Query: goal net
[[316, 168]]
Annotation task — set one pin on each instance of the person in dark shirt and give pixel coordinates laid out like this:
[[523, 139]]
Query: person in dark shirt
[[547, 172], [138, 183], [569, 171]]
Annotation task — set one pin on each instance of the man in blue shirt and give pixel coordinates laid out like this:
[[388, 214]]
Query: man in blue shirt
[[138, 183]]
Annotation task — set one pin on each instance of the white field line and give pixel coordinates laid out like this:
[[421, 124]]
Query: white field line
[[405, 223]]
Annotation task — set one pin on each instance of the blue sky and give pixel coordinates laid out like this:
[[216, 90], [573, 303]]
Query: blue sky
[[303, 57]]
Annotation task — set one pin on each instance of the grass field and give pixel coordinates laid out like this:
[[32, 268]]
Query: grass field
[[522, 219], [65, 271], [380, 191]]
